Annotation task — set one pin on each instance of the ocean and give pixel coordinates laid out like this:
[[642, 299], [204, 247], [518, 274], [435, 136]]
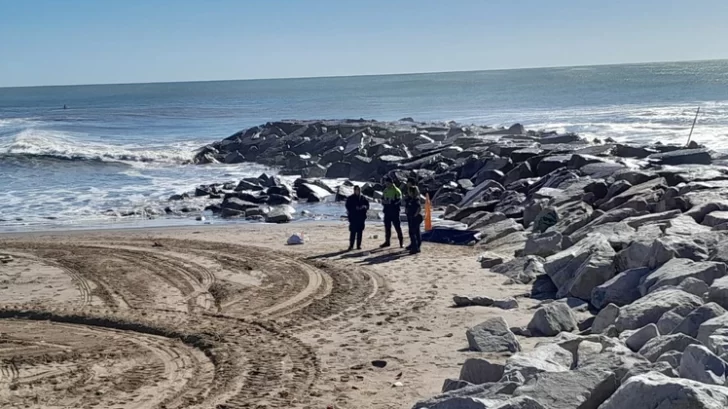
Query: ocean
[[124, 148]]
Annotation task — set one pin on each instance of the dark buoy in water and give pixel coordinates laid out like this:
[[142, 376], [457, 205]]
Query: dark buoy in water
[[65, 107]]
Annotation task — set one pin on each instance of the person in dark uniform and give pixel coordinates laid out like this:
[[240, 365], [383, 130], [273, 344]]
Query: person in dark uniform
[[356, 210], [391, 202], [413, 209]]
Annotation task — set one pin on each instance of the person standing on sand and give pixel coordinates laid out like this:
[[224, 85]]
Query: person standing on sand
[[391, 201], [413, 209], [356, 209]]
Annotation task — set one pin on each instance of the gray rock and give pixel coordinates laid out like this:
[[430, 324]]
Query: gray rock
[[545, 358], [486, 396], [523, 270], [497, 230], [617, 360], [682, 157], [718, 292], [690, 325], [492, 335], [580, 268], [581, 388], [700, 364], [543, 245], [676, 270], [655, 347], [489, 260], [711, 326], [237, 204], [663, 368], [621, 290], [454, 384], [509, 303], [478, 371], [486, 220], [656, 391], [718, 343], [649, 309], [637, 253], [639, 338], [672, 358], [671, 247], [279, 214], [684, 225], [639, 221], [694, 286], [632, 192], [669, 321], [552, 319], [715, 218], [606, 317], [467, 301]]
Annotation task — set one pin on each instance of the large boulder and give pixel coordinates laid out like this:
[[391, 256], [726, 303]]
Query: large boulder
[[676, 270], [543, 245], [715, 218], [478, 371], [657, 346], [279, 214], [581, 388], [690, 325], [649, 309], [670, 320], [694, 286], [497, 230], [718, 292], [544, 358], [656, 391], [605, 318], [577, 270], [682, 157], [523, 270], [621, 290], [492, 335], [472, 402], [552, 319], [700, 364], [669, 247], [639, 338], [712, 326], [643, 189]]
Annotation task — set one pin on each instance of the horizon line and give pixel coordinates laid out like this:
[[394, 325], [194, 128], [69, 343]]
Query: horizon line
[[361, 75]]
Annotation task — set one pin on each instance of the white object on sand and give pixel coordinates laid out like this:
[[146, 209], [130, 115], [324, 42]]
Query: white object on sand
[[296, 238]]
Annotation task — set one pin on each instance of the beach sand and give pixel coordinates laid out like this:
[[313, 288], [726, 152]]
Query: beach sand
[[231, 317]]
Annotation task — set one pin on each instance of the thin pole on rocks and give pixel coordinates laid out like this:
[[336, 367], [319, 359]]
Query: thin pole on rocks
[[693, 127]]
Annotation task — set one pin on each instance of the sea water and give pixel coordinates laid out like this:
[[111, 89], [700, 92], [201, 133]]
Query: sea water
[[123, 148]]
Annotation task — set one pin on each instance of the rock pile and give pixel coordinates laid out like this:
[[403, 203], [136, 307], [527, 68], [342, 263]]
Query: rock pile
[[637, 233]]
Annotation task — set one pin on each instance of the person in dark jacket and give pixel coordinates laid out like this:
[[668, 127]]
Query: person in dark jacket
[[391, 202], [413, 209], [356, 209]]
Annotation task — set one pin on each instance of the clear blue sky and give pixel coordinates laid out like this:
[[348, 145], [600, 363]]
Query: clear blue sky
[[116, 41]]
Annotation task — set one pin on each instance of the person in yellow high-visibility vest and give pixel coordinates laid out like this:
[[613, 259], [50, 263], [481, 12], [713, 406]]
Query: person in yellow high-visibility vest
[[391, 202]]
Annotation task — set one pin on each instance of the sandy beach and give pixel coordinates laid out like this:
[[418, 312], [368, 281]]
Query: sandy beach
[[232, 317]]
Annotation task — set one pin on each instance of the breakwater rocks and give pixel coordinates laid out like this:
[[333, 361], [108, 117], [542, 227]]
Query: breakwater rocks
[[627, 245]]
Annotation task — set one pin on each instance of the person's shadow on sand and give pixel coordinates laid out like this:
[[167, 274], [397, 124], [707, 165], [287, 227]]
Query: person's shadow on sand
[[384, 258]]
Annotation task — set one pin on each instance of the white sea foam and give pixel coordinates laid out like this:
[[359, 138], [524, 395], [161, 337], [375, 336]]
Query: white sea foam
[[56, 144]]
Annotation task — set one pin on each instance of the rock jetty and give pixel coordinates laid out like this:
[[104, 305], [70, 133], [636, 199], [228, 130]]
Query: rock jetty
[[636, 235]]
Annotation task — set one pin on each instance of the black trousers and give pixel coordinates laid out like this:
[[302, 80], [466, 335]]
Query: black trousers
[[390, 221], [355, 236], [413, 224]]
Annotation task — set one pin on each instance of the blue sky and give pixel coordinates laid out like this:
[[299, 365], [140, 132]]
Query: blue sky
[[46, 42]]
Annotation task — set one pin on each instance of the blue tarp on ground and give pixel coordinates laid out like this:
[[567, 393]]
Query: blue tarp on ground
[[450, 236]]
